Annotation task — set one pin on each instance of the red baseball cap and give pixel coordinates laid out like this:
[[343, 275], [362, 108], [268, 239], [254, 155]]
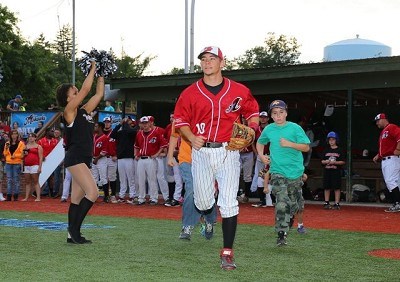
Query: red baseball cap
[[212, 50], [151, 118], [380, 116]]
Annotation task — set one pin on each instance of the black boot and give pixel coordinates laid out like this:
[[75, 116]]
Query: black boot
[[247, 187], [73, 233], [171, 190], [113, 186], [84, 206], [15, 197], [76, 215], [8, 199], [106, 193]]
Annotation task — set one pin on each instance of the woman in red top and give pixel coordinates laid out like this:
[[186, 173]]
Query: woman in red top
[[33, 153]]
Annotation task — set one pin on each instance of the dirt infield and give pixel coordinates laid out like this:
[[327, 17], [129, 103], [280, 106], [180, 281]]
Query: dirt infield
[[350, 218]]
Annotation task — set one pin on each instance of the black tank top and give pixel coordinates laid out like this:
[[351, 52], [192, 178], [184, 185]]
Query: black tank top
[[79, 136]]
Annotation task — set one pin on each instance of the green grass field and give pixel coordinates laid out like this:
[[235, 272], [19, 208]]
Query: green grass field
[[149, 250]]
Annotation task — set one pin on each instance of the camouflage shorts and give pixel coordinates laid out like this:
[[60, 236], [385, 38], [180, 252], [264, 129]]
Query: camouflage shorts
[[289, 199]]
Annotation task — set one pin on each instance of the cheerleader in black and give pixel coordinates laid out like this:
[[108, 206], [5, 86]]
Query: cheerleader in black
[[79, 148]]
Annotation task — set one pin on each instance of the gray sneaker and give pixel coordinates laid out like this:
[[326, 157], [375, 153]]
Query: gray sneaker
[[209, 231], [186, 232], [281, 241], [394, 208]]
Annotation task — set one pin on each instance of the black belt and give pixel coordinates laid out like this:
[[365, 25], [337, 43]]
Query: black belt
[[145, 157], [388, 158], [213, 145]]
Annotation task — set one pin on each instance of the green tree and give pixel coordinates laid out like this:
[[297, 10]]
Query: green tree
[[278, 51], [196, 69], [132, 67], [10, 49]]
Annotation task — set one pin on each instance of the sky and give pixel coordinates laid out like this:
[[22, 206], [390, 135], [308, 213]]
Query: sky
[[157, 27]]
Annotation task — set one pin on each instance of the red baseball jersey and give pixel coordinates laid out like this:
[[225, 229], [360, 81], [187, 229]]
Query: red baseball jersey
[[48, 145], [258, 134], [148, 143], [100, 145], [210, 115], [112, 144], [388, 139]]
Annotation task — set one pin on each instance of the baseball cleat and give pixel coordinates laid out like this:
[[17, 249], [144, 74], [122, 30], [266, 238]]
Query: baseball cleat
[[227, 261]]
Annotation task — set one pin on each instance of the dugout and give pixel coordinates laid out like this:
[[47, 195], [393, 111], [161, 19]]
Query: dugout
[[356, 90]]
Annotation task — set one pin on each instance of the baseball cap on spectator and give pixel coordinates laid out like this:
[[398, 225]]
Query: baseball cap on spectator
[[278, 104], [107, 119], [151, 118], [380, 116], [18, 97], [263, 114], [144, 119], [212, 50]]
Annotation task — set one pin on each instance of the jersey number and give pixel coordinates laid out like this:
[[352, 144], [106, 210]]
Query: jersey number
[[201, 128]]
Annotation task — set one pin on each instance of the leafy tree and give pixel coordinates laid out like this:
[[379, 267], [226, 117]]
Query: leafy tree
[[132, 67], [196, 69], [10, 48], [278, 51]]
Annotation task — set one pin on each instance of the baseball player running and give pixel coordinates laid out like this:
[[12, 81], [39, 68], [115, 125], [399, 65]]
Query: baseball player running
[[205, 113], [389, 153]]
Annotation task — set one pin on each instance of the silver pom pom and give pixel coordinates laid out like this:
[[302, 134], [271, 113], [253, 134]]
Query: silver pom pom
[[105, 63]]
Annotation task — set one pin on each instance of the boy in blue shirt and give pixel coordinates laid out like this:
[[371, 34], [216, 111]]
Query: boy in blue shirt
[[287, 143]]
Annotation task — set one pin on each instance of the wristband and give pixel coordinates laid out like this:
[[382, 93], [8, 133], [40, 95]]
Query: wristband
[[254, 126]]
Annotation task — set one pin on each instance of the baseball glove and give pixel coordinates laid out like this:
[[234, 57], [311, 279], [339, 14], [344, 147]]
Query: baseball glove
[[242, 136]]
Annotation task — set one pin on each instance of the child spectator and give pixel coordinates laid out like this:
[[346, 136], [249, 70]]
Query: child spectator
[[333, 160]]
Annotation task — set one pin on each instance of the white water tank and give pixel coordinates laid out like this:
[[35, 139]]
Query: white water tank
[[357, 48]]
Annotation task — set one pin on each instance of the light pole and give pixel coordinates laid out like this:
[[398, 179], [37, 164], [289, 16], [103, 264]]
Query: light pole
[[192, 38], [186, 37], [73, 42]]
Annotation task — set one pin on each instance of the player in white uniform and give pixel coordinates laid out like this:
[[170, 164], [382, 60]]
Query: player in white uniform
[[205, 114]]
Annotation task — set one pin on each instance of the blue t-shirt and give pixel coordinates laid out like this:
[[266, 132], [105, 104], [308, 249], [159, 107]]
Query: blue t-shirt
[[285, 161], [109, 109]]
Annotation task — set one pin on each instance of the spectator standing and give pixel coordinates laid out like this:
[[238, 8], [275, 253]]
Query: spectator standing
[[175, 185], [39, 127], [15, 126], [4, 128], [389, 154], [13, 153], [66, 186], [149, 144], [264, 118], [287, 142], [125, 135], [3, 139], [14, 104], [48, 143], [109, 107], [100, 156], [58, 171], [161, 162], [33, 156], [333, 161], [111, 159], [22, 108]]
